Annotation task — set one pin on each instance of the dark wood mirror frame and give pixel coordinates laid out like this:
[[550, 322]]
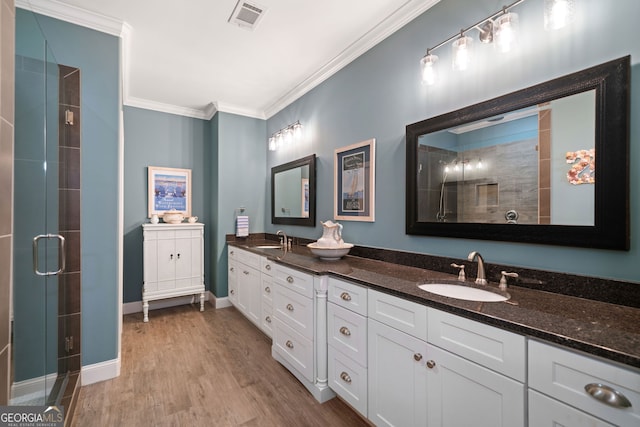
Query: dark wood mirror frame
[[611, 225], [311, 219]]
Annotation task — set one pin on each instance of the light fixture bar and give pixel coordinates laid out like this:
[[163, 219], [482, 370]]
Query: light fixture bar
[[482, 21]]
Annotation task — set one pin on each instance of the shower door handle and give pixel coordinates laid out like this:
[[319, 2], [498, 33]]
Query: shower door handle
[[62, 252]]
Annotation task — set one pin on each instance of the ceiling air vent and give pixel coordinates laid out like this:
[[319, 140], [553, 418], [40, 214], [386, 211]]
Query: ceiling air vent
[[247, 15]]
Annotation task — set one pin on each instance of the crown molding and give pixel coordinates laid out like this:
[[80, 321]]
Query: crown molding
[[392, 23], [74, 15], [197, 113], [241, 111]]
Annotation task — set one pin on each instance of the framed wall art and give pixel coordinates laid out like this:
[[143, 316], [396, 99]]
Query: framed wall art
[[169, 188], [354, 182]]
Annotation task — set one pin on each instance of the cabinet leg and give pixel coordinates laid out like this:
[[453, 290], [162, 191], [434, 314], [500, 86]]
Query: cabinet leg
[[201, 301], [145, 310]]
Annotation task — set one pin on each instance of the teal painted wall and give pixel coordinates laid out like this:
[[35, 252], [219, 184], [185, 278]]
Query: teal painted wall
[[379, 93], [159, 139], [97, 56]]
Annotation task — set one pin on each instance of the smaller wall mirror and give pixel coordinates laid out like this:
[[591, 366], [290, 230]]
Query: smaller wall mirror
[[293, 192]]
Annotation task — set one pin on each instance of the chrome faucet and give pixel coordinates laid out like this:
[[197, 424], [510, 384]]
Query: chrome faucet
[[480, 279], [283, 242]]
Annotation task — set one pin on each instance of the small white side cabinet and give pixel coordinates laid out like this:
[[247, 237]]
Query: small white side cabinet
[[173, 262]]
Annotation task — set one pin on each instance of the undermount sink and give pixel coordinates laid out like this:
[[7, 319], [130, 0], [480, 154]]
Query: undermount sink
[[268, 247], [464, 292]]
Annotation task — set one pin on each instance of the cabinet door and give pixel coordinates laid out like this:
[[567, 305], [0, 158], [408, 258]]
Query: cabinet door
[[166, 260], [397, 377], [249, 294], [183, 258], [547, 412], [463, 393]]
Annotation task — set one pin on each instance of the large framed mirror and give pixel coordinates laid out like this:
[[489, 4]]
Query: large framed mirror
[[522, 167], [293, 192]]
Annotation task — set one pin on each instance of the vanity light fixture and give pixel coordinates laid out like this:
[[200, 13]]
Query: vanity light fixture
[[500, 27], [286, 135]]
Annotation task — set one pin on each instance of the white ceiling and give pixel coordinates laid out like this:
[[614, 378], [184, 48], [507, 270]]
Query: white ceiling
[[185, 57]]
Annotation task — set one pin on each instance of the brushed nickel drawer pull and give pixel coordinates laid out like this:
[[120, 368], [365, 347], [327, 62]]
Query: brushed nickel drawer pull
[[345, 296], [417, 357], [345, 331], [267, 267], [268, 319], [289, 344], [246, 272], [607, 395], [289, 279], [345, 377], [267, 290], [289, 307], [431, 364]]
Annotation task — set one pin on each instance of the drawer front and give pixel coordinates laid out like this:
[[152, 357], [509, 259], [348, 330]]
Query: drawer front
[[347, 332], [406, 316], [348, 295], [547, 412], [563, 375], [349, 380], [267, 319], [293, 279], [233, 281], [486, 345], [249, 258], [267, 289], [266, 266], [295, 348], [294, 309]]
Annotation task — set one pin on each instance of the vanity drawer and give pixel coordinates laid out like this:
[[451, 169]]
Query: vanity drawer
[[494, 348], [348, 295], [266, 266], [294, 309], [348, 379], [232, 281], [547, 412], [267, 289], [403, 315], [293, 279], [563, 375], [267, 319], [294, 348], [347, 332]]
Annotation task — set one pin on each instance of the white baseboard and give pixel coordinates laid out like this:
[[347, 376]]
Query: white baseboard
[[101, 371], [136, 306]]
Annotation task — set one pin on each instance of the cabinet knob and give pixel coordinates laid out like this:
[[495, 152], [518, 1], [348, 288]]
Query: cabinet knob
[[607, 395], [345, 331], [417, 357], [232, 292], [268, 319], [267, 289], [289, 307], [345, 377], [245, 272], [431, 364], [171, 256], [345, 296], [178, 256], [289, 279], [232, 252], [289, 344], [232, 269], [267, 267]]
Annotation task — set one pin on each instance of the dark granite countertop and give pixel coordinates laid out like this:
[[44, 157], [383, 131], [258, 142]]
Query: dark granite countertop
[[602, 329]]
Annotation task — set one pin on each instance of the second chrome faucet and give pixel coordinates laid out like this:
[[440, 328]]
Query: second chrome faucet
[[481, 278]]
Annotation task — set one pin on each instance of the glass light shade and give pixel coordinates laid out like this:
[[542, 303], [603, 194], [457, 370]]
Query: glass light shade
[[506, 32], [429, 71], [462, 50], [288, 136], [297, 131], [272, 144], [557, 13], [279, 140]]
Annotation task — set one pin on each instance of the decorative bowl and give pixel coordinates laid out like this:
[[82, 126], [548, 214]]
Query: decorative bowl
[[332, 253], [173, 217]]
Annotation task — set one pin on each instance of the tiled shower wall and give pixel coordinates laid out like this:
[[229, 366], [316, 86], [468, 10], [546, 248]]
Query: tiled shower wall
[[7, 79]]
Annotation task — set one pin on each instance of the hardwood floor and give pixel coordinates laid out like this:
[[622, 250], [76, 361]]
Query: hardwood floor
[[211, 368]]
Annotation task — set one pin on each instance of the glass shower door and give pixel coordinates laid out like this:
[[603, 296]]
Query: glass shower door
[[38, 247]]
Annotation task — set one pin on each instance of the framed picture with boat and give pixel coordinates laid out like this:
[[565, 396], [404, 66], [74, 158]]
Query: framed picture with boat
[[354, 182]]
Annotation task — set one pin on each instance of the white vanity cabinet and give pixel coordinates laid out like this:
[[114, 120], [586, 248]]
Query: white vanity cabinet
[[397, 355], [299, 315], [475, 373], [245, 283], [347, 339], [559, 385], [172, 262]]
